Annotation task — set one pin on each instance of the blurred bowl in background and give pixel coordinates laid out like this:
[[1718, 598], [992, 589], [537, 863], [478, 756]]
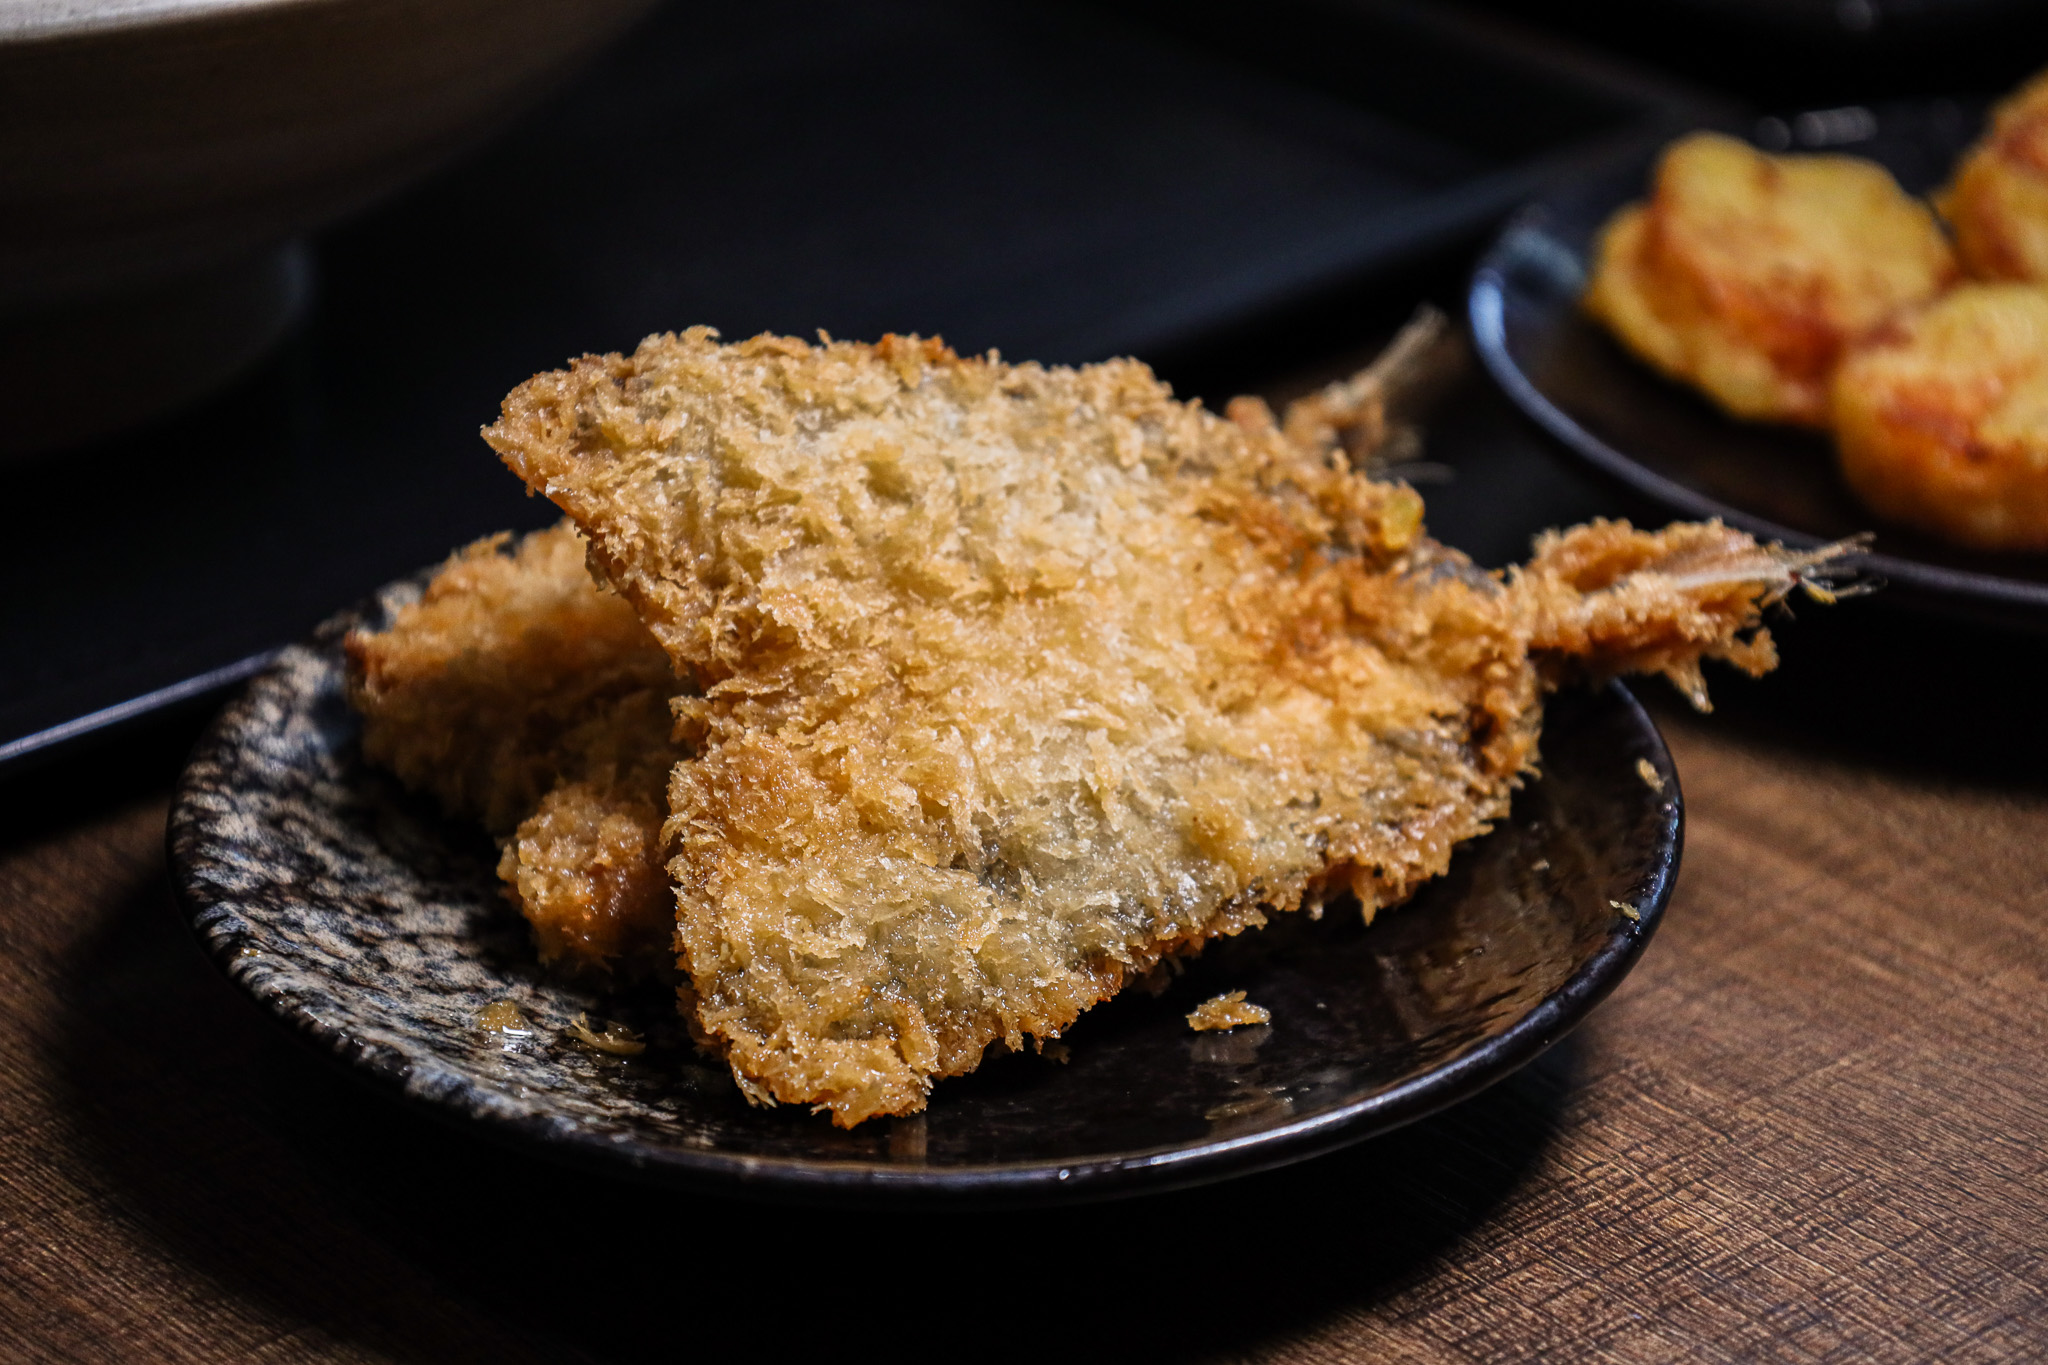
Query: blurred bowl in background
[[159, 159]]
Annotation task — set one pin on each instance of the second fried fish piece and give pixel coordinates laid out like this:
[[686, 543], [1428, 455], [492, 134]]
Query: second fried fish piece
[[520, 694], [1018, 680]]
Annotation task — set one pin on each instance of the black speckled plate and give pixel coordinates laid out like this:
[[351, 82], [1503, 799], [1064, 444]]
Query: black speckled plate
[[1669, 446], [371, 926]]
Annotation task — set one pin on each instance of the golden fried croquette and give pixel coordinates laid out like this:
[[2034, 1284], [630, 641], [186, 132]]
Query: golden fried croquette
[[1747, 274], [519, 693], [1018, 680], [1998, 201], [1941, 419]]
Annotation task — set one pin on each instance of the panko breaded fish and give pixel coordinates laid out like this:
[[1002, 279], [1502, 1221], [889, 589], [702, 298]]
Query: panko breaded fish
[[1941, 419], [1998, 201], [1747, 274], [520, 694], [1018, 680]]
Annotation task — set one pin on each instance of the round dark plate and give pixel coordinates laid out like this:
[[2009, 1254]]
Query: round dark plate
[[373, 927], [1667, 444]]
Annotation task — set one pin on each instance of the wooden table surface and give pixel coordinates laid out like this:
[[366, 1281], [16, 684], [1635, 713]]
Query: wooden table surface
[[1809, 1127]]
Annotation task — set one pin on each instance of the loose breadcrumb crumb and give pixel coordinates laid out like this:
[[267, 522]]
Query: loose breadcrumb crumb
[[1648, 773], [1229, 1010], [616, 1039], [1627, 909], [502, 1016], [1257, 1105]]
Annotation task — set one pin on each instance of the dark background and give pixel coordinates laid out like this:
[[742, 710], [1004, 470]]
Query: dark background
[[1249, 200]]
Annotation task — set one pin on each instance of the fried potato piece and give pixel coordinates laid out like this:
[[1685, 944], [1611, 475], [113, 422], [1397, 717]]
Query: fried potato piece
[[1941, 420], [1747, 275], [520, 694], [1998, 201], [1019, 680]]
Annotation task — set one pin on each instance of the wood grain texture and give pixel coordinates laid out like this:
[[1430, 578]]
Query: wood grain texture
[[1809, 1128]]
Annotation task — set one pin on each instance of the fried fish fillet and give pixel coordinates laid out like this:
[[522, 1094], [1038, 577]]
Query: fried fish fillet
[[1941, 419], [520, 694], [1018, 680], [1747, 274], [1998, 201]]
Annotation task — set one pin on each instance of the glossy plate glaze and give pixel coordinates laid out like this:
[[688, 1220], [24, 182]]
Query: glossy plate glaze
[[374, 928], [1669, 446]]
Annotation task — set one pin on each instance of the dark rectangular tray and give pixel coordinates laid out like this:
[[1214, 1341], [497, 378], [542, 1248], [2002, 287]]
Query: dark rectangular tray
[[1064, 183]]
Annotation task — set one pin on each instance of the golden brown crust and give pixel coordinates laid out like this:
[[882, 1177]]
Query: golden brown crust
[[478, 690], [1942, 419], [1017, 681], [1619, 295], [520, 694], [587, 870], [1998, 201], [1605, 599], [1747, 274]]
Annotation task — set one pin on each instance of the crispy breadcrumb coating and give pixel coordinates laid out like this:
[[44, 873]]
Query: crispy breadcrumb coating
[[1604, 599], [1941, 420], [482, 691], [1018, 680], [519, 693], [1998, 201], [1747, 274]]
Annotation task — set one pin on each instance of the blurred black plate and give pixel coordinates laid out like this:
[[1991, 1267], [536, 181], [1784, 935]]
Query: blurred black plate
[[1845, 22], [375, 930], [1668, 445]]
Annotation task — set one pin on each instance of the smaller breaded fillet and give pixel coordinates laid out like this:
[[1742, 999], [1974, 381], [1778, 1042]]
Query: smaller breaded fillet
[[1747, 275], [1942, 418], [519, 693], [1998, 201]]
